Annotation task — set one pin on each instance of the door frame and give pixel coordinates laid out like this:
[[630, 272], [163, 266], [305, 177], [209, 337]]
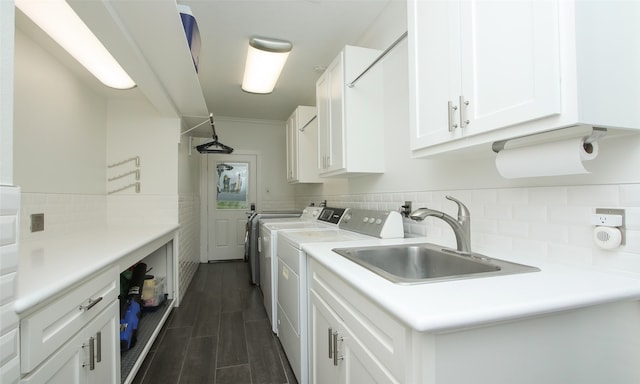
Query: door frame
[[204, 193]]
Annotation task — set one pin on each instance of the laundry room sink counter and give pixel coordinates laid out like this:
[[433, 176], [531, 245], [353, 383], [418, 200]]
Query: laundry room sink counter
[[450, 305], [51, 263]]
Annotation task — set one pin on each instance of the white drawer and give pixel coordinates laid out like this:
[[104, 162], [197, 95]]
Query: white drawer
[[8, 317], [7, 287], [8, 346], [10, 372], [8, 258], [44, 331]]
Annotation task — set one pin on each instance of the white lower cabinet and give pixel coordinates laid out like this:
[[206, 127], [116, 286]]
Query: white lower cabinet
[[338, 356], [91, 356], [351, 340]]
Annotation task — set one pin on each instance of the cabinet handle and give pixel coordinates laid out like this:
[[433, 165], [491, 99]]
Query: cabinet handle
[[91, 304], [335, 349], [450, 113], [463, 109], [330, 347], [92, 364], [99, 345]]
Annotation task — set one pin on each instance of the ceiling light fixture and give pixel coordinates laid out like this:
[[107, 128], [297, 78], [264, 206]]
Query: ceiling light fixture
[[62, 24], [265, 60]]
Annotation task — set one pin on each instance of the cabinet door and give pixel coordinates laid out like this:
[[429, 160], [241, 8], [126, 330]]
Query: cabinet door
[[105, 333], [510, 62], [358, 363], [292, 148], [336, 114], [71, 364], [322, 101], [434, 65], [64, 367], [329, 94], [323, 322]]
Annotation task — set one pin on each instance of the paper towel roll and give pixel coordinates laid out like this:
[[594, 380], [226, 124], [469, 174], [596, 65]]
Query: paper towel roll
[[563, 157]]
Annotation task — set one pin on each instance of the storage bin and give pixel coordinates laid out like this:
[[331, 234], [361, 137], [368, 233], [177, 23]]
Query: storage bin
[[153, 292]]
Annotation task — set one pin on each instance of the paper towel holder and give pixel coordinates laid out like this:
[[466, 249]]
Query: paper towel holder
[[592, 134]]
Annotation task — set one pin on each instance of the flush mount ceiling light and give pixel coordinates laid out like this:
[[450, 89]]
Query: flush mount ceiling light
[[62, 24], [265, 60]]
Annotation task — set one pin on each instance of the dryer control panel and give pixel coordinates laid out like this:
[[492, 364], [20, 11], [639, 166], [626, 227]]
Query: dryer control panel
[[382, 224]]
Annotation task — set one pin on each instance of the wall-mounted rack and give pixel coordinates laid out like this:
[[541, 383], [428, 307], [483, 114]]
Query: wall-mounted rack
[[382, 55], [307, 123], [135, 158], [136, 172], [136, 185]]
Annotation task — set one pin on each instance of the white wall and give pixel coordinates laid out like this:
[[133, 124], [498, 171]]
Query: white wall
[[136, 129], [6, 91], [59, 126]]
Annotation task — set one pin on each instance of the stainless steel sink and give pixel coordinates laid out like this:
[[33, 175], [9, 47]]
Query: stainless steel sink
[[428, 263]]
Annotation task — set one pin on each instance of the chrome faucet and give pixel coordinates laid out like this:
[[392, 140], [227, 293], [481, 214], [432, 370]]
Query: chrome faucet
[[461, 227]]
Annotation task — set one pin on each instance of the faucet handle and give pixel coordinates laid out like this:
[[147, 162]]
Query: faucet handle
[[463, 211]]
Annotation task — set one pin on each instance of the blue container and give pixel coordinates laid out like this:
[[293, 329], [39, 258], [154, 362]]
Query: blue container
[[192, 32]]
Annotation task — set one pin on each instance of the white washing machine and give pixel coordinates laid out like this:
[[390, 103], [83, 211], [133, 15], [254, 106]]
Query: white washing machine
[[292, 291], [267, 245]]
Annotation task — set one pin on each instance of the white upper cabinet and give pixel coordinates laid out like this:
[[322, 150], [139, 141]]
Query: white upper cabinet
[[350, 119], [302, 146], [482, 71]]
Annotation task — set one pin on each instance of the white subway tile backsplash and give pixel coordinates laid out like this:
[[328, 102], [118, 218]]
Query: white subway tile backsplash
[[581, 235], [537, 222], [513, 228], [632, 242], [484, 196], [629, 195], [594, 196], [551, 233], [530, 213], [424, 197], [548, 196], [570, 215], [530, 248], [494, 211], [632, 218], [512, 196]]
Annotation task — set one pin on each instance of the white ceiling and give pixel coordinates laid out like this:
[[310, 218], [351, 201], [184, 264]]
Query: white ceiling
[[317, 28]]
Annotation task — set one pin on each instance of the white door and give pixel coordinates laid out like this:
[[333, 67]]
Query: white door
[[231, 188]]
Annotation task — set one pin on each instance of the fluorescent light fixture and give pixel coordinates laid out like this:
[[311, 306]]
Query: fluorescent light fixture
[[265, 60], [63, 25]]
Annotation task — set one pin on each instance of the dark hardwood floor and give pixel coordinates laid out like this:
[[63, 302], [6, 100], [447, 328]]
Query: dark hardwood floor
[[220, 334]]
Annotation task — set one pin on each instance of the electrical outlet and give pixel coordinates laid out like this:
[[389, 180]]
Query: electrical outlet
[[37, 222], [608, 217]]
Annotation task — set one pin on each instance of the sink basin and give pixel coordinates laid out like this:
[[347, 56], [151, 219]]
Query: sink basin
[[428, 263]]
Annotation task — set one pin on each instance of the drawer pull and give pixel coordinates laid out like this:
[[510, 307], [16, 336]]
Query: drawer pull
[[336, 357], [91, 304], [330, 345], [99, 345], [92, 352]]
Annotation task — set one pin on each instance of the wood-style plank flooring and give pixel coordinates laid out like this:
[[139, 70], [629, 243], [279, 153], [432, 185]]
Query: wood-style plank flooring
[[220, 334]]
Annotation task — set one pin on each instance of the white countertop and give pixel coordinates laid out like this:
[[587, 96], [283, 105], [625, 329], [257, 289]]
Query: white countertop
[[459, 304], [50, 263]]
